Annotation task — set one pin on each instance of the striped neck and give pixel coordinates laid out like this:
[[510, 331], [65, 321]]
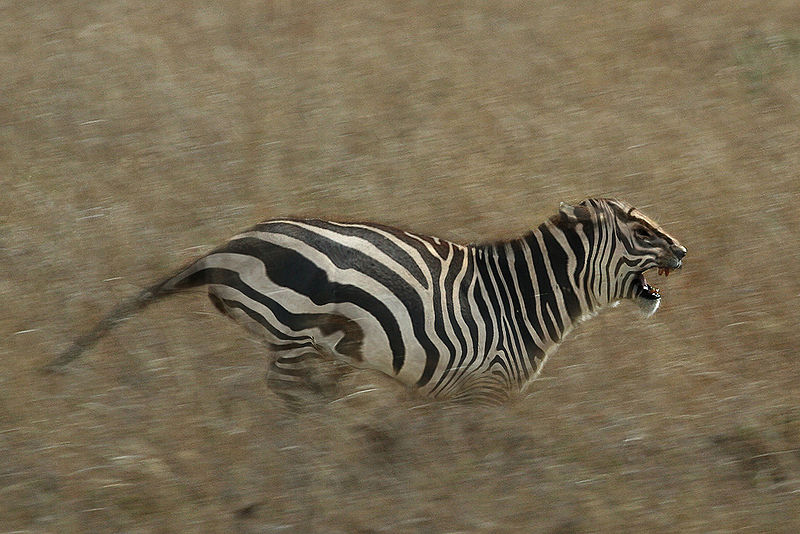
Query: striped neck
[[547, 281], [581, 255]]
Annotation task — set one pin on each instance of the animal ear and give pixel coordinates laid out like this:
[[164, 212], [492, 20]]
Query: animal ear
[[567, 213], [572, 215]]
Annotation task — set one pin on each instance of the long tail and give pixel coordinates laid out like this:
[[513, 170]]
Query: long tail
[[187, 277]]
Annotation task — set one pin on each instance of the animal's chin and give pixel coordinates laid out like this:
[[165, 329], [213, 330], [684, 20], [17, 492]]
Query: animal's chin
[[648, 297], [645, 291]]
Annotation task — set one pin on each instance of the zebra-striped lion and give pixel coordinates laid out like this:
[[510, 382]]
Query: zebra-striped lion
[[450, 320]]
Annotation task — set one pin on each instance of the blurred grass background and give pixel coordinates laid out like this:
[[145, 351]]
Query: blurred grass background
[[135, 136]]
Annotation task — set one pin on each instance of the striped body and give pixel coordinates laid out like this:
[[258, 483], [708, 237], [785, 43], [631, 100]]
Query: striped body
[[447, 319]]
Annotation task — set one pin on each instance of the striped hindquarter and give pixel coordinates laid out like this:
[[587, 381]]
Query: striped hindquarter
[[410, 306]]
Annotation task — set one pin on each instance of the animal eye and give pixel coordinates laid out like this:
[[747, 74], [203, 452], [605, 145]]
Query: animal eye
[[642, 233]]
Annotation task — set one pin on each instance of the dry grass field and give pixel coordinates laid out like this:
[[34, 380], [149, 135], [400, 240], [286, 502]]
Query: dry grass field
[[137, 135]]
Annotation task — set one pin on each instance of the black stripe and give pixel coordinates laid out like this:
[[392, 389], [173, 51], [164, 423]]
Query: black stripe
[[483, 313], [466, 310], [627, 282], [386, 245], [559, 264], [546, 296], [503, 373], [232, 279], [467, 316], [277, 347], [637, 263], [488, 275], [622, 238], [509, 342], [438, 323], [503, 364], [529, 295], [456, 262], [528, 291], [577, 250], [489, 306], [599, 274], [434, 264], [514, 307], [591, 253], [439, 245], [607, 266], [348, 345]]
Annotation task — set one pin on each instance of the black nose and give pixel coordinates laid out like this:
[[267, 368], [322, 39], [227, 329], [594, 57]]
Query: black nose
[[679, 251]]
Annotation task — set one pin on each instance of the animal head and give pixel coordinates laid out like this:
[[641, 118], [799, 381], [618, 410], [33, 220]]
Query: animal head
[[623, 244]]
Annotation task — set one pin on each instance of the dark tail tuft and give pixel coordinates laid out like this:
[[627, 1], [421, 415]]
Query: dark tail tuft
[[185, 278], [87, 340]]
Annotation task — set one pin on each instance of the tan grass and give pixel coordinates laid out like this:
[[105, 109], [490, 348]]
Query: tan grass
[[135, 135]]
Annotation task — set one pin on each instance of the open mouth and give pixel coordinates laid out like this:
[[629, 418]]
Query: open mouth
[[651, 292]]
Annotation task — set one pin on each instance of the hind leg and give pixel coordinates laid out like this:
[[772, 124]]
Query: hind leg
[[298, 373], [303, 376]]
